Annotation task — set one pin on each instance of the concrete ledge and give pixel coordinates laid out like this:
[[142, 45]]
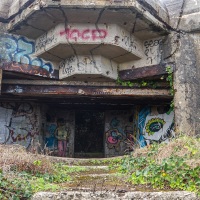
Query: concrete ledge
[[77, 195]]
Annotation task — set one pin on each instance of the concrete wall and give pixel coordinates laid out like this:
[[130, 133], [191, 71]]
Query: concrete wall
[[152, 54], [4, 8], [89, 34], [88, 65], [184, 16], [19, 123]]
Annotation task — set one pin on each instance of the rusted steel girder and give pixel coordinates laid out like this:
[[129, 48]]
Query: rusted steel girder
[[28, 69], [45, 90], [159, 84], [143, 72]]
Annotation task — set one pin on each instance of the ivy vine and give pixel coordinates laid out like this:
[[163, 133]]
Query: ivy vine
[[169, 79]]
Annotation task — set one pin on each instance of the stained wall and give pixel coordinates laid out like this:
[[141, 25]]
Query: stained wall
[[19, 123]]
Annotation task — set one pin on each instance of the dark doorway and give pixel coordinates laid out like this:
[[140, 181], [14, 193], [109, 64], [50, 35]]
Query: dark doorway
[[89, 133]]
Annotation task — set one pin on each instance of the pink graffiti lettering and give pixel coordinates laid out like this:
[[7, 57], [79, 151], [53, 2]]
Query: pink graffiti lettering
[[99, 34], [87, 34], [74, 34]]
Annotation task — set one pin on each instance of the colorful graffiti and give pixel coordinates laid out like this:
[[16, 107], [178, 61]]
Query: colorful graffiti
[[155, 124], [114, 135], [21, 49], [50, 140], [18, 123], [118, 131], [86, 34]]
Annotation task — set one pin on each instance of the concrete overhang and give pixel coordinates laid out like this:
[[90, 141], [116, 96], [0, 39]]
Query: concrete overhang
[[110, 41], [88, 67], [147, 19]]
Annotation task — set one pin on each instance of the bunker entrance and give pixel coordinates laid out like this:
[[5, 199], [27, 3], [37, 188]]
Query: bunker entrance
[[89, 134]]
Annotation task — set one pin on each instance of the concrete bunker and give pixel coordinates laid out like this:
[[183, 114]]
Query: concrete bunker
[[95, 130]]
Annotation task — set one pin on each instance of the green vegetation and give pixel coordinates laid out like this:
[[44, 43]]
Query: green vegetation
[[173, 166], [22, 174], [142, 83], [169, 78]]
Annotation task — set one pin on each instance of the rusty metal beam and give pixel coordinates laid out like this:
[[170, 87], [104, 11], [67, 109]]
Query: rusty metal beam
[[159, 84], [76, 91], [143, 72], [0, 79], [28, 69]]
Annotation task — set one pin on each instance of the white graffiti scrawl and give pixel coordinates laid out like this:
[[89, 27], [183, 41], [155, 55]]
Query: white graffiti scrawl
[[18, 123]]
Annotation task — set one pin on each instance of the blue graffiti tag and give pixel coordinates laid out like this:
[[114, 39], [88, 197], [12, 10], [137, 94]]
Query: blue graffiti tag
[[20, 49], [51, 139], [141, 122]]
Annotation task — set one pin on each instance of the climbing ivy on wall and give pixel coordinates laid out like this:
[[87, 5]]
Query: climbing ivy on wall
[[169, 79]]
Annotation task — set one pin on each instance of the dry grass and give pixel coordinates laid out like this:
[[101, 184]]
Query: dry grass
[[184, 146], [15, 157]]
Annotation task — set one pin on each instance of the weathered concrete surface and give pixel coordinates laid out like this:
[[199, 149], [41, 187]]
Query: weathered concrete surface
[[93, 35], [11, 7], [186, 79], [4, 8], [0, 79], [88, 66], [184, 17], [33, 21], [102, 195]]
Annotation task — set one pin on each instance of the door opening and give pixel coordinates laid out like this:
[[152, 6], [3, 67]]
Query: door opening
[[89, 134]]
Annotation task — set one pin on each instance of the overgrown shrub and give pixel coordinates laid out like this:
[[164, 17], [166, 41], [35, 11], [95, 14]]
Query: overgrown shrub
[[175, 165], [15, 157], [23, 173]]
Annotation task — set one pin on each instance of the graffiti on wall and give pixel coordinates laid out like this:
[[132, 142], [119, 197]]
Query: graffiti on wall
[[114, 136], [155, 124], [119, 130], [85, 34], [18, 123], [81, 64], [20, 49], [50, 139], [151, 51], [45, 39]]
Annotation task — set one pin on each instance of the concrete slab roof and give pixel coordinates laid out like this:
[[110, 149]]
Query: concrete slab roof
[[146, 18]]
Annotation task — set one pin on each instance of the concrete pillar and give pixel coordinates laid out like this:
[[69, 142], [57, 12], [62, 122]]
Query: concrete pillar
[[0, 79], [186, 82]]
